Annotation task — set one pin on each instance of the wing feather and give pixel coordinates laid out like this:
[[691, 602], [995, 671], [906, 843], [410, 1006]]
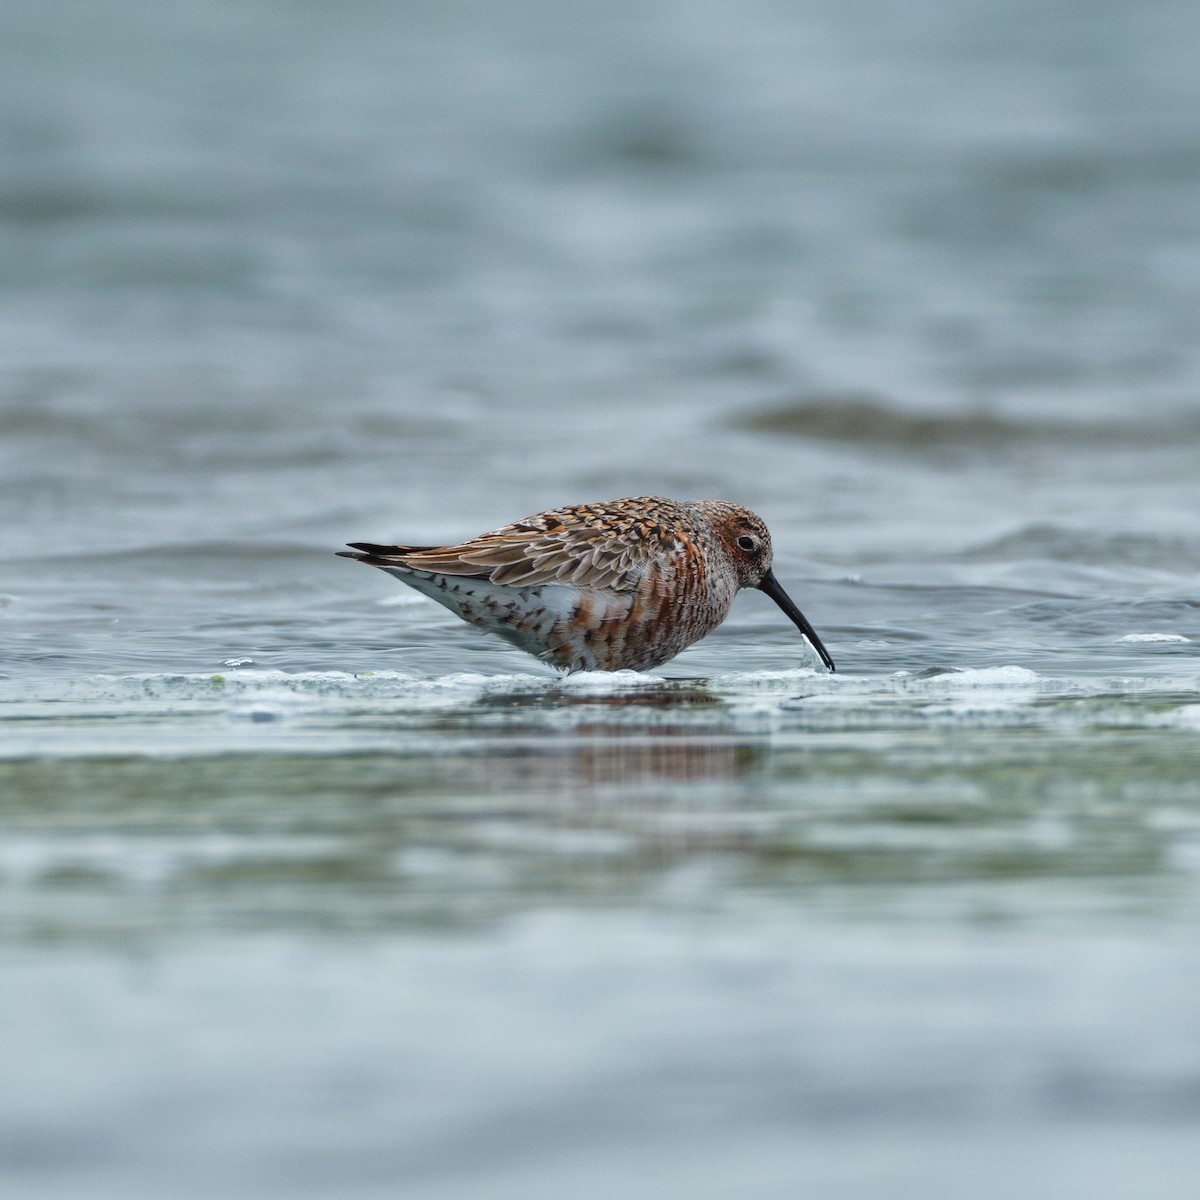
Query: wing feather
[[591, 545]]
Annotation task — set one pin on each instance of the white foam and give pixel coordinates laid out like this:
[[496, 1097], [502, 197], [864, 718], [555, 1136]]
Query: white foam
[[607, 682], [1154, 637], [774, 679], [242, 688], [980, 677], [978, 691]]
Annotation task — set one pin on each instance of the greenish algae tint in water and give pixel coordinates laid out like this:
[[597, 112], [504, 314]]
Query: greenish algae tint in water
[[307, 889], [464, 936]]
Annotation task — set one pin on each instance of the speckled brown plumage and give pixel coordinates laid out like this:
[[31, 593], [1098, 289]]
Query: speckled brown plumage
[[620, 584]]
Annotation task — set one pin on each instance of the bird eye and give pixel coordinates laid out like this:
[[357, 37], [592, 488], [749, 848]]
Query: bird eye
[[747, 543]]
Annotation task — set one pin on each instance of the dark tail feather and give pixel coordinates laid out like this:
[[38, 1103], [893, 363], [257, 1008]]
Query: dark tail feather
[[375, 555]]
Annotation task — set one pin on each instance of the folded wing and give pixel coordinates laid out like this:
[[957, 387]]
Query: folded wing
[[590, 545]]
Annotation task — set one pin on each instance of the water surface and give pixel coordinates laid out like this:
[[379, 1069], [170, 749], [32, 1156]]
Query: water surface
[[308, 889]]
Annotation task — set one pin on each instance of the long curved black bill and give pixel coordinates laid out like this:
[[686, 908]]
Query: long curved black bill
[[772, 587]]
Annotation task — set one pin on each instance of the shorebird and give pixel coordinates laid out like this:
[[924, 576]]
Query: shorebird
[[619, 585]]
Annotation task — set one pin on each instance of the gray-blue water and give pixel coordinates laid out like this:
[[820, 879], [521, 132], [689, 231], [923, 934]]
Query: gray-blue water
[[308, 889]]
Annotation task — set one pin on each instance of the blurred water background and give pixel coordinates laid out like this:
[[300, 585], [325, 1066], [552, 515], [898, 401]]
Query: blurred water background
[[306, 888]]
